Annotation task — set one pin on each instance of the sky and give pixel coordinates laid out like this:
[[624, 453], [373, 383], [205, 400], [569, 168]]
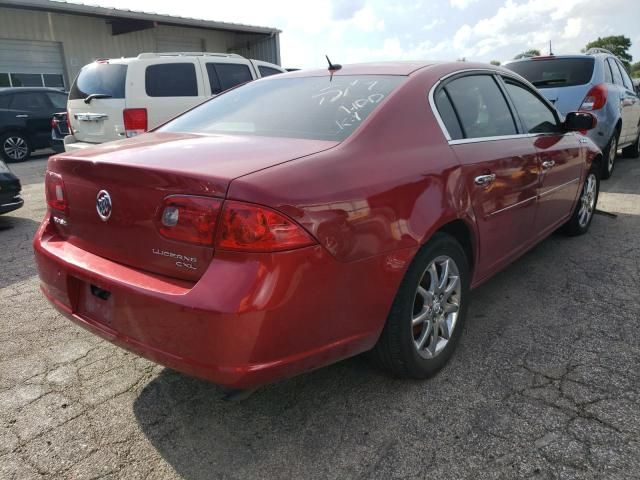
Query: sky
[[351, 31]]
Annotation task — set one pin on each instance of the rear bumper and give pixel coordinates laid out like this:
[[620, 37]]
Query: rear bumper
[[10, 204], [250, 320], [71, 144]]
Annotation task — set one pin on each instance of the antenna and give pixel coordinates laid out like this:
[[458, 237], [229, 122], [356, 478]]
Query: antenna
[[550, 51], [333, 66]]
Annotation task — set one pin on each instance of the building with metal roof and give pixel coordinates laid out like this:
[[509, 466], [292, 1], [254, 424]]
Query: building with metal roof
[[47, 42]]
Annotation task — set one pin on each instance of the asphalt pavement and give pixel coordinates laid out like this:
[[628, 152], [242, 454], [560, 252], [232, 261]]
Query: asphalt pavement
[[544, 384]]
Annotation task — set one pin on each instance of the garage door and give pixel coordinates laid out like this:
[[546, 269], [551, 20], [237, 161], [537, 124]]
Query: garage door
[[178, 44], [30, 63]]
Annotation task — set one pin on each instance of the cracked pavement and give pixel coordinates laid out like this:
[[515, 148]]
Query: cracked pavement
[[544, 384]]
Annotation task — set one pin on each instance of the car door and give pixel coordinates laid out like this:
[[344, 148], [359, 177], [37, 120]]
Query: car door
[[623, 105], [559, 152], [630, 106], [34, 109], [499, 165]]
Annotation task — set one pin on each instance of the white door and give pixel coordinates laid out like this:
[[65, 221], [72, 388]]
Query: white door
[[30, 63]]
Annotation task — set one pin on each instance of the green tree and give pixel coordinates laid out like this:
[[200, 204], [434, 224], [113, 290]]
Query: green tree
[[635, 70], [534, 52], [495, 62], [616, 44]]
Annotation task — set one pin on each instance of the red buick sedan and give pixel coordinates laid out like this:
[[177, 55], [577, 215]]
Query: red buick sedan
[[308, 217]]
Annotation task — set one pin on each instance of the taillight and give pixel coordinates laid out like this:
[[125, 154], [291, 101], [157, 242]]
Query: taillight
[[135, 121], [252, 228], [596, 98], [53, 122], [55, 192], [240, 226], [189, 219]]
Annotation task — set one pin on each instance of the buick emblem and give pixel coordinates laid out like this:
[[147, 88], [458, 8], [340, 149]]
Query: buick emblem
[[103, 205]]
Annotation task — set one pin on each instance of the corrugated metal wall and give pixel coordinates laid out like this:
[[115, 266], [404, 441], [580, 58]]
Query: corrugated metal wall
[[85, 39]]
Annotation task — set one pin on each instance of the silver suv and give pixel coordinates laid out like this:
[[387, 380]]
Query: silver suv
[[596, 82]]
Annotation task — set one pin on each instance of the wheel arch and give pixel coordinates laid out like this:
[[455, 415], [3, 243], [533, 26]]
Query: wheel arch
[[463, 233]]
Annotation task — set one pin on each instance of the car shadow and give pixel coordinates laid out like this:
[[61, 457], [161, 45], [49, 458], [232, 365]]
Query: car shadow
[[17, 254], [619, 183]]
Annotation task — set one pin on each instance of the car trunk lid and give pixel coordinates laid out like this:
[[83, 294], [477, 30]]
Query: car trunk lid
[[139, 173]]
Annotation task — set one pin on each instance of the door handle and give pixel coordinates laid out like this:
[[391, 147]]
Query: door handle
[[547, 164], [22, 116], [485, 179]]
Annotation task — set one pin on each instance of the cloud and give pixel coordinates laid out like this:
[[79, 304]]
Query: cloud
[[461, 4], [345, 9], [573, 28], [433, 23]]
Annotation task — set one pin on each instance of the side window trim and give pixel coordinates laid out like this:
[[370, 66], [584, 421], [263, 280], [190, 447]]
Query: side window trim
[[552, 109]]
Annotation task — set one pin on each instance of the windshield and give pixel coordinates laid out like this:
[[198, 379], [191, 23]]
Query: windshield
[[319, 108], [555, 72], [101, 79]]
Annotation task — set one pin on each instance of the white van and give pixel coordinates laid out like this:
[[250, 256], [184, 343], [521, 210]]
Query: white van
[[112, 99]]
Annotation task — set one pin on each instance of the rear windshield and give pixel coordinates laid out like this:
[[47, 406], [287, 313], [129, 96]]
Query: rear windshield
[[555, 72], [99, 78], [320, 108]]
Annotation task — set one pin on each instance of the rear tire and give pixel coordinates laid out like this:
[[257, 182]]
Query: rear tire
[[428, 313], [632, 151], [609, 156], [582, 216], [14, 147]]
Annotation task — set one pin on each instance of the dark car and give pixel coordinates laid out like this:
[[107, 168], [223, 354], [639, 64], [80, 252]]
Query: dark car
[[25, 119], [307, 217], [10, 187], [59, 130]]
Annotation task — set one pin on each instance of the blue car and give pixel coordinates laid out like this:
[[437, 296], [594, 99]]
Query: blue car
[[595, 82]]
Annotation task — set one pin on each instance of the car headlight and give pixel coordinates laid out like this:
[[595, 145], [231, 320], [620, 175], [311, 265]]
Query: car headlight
[[3, 167]]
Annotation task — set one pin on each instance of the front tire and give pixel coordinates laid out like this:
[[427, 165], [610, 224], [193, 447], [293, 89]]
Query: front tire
[[14, 147], [609, 156], [428, 313], [583, 212]]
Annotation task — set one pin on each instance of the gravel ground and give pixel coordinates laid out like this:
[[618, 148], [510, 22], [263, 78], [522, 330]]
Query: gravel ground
[[544, 385]]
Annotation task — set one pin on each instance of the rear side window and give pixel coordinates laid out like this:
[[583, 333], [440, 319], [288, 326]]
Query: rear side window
[[223, 76], [555, 72], [448, 115], [171, 80], [267, 71], [30, 101], [617, 78], [99, 78], [59, 100], [536, 116], [481, 107]]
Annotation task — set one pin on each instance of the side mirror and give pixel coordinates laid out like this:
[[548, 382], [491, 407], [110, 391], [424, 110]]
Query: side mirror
[[579, 121]]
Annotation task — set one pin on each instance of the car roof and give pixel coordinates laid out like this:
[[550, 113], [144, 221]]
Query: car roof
[[30, 89], [559, 57], [374, 68]]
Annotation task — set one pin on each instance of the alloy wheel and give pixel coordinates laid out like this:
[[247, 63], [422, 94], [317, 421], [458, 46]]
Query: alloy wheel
[[16, 148], [587, 200], [436, 306]]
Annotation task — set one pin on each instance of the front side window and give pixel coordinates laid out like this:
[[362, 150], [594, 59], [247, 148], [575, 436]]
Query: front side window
[[29, 101], [536, 116], [223, 76], [99, 78], [171, 80], [320, 108], [626, 80], [481, 107]]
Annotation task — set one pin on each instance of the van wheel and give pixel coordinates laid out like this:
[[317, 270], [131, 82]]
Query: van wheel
[[427, 315], [632, 151], [609, 156], [14, 147]]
